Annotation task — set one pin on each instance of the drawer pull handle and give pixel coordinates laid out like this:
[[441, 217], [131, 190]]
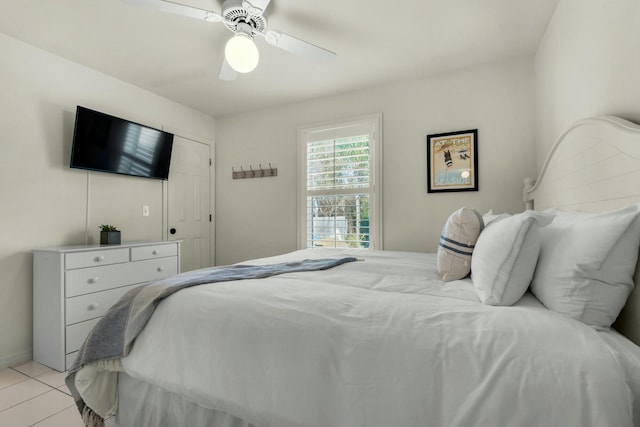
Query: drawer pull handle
[[160, 269], [92, 280], [99, 258], [92, 307], [155, 252]]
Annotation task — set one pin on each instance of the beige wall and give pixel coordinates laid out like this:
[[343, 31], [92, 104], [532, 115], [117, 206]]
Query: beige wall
[[588, 64], [257, 217], [44, 203]]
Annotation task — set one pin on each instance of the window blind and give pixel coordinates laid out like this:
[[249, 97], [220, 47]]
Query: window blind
[[338, 186]]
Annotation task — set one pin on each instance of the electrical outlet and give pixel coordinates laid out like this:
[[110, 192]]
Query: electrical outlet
[[145, 210]]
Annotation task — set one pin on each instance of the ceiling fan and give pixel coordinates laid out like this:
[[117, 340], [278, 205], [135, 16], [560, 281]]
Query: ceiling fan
[[246, 19]]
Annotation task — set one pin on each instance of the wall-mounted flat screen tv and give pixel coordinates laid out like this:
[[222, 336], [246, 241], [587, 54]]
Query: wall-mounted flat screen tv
[[105, 143]]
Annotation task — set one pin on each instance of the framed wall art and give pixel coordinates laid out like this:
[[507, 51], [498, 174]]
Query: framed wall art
[[452, 161]]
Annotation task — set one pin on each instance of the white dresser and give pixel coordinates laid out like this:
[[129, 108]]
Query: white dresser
[[73, 286]]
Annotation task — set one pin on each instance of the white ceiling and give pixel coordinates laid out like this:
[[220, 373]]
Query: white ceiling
[[376, 42]]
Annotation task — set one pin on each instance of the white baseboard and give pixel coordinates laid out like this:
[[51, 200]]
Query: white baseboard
[[16, 358]]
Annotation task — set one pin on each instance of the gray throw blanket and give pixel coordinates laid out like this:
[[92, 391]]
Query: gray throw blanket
[[113, 335]]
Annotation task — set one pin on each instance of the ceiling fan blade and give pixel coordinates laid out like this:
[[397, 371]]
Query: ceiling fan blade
[[179, 9], [226, 72], [297, 46]]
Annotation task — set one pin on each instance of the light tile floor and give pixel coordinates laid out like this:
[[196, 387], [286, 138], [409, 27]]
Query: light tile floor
[[35, 395]]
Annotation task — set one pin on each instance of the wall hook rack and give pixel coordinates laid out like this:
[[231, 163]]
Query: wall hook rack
[[254, 173]]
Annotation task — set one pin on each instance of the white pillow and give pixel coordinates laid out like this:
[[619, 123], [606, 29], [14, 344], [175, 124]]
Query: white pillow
[[456, 245], [586, 264], [489, 217], [505, 257]]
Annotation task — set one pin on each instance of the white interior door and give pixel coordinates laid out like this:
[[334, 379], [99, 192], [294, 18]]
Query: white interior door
[[189, 202]]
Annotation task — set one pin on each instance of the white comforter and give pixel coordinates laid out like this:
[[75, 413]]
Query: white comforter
[[378, 343]]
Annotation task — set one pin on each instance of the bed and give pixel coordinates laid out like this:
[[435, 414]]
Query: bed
[[382, 341]]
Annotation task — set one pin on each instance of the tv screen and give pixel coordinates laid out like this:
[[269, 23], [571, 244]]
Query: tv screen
[[105, 143]]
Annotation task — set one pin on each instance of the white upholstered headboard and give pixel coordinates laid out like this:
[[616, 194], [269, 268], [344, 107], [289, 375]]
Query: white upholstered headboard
[[594, 166]]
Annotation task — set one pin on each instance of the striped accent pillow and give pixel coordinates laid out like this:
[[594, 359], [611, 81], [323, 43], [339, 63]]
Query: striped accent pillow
[[457, 242]]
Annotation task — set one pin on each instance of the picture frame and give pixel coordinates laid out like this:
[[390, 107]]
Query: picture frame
[[452, 161]]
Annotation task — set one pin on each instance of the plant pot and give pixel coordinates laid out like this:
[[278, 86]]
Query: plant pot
[[109, 237]]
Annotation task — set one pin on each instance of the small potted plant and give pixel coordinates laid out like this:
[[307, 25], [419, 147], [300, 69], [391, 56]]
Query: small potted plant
[[109, 235]]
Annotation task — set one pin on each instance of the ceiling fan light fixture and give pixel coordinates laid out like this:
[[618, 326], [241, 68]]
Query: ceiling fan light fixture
[[241, 53]]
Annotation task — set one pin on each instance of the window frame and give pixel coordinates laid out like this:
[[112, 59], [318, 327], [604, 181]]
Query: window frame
[[373, 122]]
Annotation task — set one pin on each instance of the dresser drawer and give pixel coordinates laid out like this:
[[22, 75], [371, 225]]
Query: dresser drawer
[[95, 258], [75, 334], [89, 280], [68, 359], [90, 306], [155, 251]]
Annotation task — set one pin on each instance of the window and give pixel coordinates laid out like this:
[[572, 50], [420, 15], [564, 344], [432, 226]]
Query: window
[[339, 184]]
